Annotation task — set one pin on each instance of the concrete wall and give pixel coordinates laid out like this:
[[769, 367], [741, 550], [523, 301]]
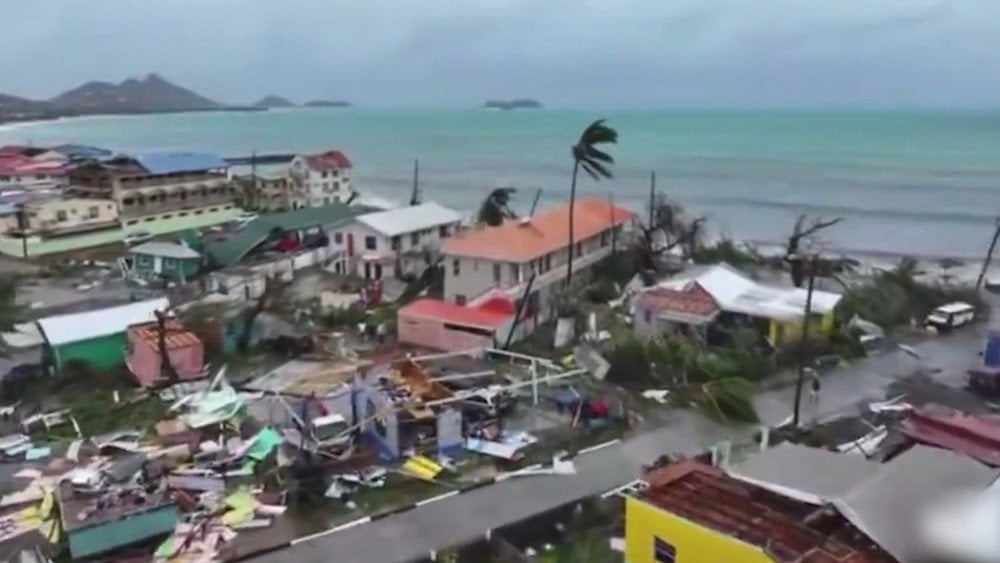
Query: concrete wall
[[99, 353], [433, 334]]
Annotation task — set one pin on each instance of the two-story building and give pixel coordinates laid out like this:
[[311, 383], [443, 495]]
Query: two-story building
[[320, 179], [486, 264], [37, 222], [267, 191], [160, 193], [26, 173], [397, 241]]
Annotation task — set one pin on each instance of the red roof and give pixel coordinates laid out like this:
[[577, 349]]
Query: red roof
[[520, 240], [18, 164], [488, 315], [975, 436], [692, 300], [177, 335], [704, 495], [328, 160]]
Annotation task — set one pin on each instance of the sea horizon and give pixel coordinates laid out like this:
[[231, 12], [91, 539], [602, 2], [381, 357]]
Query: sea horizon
[[906, 180]]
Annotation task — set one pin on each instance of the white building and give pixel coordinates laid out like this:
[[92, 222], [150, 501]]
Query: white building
[[320, 179], [398, 241]]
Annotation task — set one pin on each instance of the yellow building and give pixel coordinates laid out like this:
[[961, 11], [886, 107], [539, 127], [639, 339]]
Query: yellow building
[[694, 513]]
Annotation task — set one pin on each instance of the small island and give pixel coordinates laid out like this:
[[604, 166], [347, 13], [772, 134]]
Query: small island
[[517, 103], [327, 104], [272, 101]]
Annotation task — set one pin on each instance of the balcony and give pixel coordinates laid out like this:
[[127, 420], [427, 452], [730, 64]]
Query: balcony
[[173, 203], [557, 273]]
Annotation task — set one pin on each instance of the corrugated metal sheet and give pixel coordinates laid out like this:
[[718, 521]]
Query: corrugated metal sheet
[[410, 219], [63, 329], [171, 162]]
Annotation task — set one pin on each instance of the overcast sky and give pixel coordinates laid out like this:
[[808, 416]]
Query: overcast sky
[[567, 53]]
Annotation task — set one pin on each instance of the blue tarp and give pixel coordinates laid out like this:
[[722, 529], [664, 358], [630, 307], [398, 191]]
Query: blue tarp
[[171, 162]]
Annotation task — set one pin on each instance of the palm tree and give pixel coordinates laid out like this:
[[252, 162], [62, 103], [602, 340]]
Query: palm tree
[[11, 312], [594, 162], [496, 207]]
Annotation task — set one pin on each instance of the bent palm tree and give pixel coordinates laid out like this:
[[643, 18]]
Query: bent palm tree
[[594, 162]]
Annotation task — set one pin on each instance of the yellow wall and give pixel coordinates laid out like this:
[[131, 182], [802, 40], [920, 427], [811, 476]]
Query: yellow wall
[[780, 332], [692, 543]]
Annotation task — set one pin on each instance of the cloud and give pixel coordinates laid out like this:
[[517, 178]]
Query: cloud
[[456, 52]]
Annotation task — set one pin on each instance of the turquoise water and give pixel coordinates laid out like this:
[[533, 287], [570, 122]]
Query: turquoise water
[[925, 183]]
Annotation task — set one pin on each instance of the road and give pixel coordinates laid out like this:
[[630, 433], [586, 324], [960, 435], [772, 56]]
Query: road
[[461, 518]]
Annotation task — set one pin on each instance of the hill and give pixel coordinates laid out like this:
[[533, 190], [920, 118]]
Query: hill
[[272, 101], [327, 104], [150, 94]]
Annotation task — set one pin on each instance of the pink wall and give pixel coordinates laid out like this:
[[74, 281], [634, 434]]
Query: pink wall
[[144, 360], [432, 334]]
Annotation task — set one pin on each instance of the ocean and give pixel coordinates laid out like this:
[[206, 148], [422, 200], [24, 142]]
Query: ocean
[[914, 182]]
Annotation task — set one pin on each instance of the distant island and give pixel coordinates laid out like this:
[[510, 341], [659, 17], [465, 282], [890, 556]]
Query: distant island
[[152, 94], [517, 103], [272, 101], [327, 104]]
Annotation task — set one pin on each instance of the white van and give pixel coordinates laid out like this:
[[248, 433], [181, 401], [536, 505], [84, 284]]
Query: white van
[[950, 316]]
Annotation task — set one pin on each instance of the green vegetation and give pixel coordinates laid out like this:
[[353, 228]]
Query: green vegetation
[[11, 312], [719, 379], [897, 297], [495, 209]]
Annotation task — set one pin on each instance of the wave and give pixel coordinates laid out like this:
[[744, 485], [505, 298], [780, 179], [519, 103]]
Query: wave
[[835, 210]]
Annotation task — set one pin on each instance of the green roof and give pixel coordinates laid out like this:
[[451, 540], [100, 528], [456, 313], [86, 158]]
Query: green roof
[[234, 248]]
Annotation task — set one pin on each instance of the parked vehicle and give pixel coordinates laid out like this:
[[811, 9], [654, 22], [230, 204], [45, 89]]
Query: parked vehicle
[[952, 315]]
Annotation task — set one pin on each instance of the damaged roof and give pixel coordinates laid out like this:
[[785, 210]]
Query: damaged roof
[[706, 496], [977, 436]]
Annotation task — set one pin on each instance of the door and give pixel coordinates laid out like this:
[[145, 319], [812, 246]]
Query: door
[[368, 271], [350, 244], [378, 271], [157, 264]]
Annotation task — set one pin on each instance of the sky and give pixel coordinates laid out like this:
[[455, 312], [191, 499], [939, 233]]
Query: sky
[[566, 53]]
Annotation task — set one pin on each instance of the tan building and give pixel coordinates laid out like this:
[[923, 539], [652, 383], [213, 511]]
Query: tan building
[[57, 216], [157, 187], [267, 192]]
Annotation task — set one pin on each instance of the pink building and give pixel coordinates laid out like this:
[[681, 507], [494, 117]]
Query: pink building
[[186, 352], [441, 325]]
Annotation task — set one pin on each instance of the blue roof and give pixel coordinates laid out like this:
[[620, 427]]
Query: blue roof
[[82, 151], [170, 162]]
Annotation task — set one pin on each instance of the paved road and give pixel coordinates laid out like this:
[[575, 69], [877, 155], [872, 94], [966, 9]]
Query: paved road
[[451, 521]]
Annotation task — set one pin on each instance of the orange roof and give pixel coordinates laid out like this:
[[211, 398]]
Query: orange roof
[[519, 240], [487, 316], [177, 336]]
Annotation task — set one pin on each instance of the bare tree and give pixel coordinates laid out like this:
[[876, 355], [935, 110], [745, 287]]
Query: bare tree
[[801, 233], [671, 228], [273, 294]]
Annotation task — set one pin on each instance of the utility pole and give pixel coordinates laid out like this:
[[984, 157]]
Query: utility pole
[[251, 202], [415, 195], [614, 227], [989, 256], [534, 203], [811, 264], [652, 197]]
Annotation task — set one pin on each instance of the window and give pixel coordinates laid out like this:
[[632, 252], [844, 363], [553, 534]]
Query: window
[[496, 273], [548, 262], [663, 552], [325, 174], [133, 222], [199, 211], [647, 315], [93, 211], [415, 239], [40, 176], [515, 272], [456, 267], [169, 263], [149, 219], [183, 214], [338, 237], [604, 238], [371, 243], [395, 243], [61, 215], [579, 249], [460, 300], [168, 216], [443, 231]]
